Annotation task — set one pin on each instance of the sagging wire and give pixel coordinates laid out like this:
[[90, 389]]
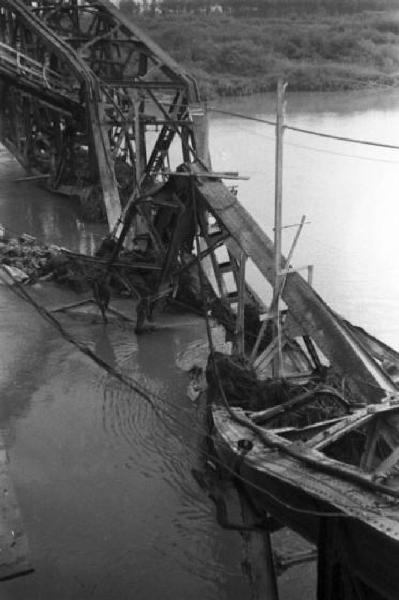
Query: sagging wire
[[314, 149], [339, 138], [148, 395]]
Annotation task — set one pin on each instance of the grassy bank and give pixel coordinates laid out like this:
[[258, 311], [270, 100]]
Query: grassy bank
[[237, 55]]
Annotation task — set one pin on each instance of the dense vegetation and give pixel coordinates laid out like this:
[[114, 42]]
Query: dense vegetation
[[314, 48]]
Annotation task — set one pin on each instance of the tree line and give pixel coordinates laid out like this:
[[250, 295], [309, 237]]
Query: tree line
[[260, 7]]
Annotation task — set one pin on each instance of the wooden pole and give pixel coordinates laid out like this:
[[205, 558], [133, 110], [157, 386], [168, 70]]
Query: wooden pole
[[259, 555], [137, 139], [240, 324], [277, 296], [278, 197]]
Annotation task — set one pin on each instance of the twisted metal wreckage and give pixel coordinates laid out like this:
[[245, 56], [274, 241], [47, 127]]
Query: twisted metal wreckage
[[91, 107]]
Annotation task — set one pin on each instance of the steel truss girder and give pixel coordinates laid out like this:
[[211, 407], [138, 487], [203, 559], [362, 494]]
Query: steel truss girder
[[35, 60], [138, 86]]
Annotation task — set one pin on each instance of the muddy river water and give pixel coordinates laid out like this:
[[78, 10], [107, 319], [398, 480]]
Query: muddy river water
[[104, 484]]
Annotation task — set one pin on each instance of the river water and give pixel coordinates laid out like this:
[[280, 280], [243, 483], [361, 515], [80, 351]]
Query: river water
[[348, 192], [105, 486]]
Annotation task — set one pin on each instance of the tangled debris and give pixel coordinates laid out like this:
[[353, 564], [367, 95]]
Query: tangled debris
[[25, 254], [134, 273], [242, 388], [76, 271]]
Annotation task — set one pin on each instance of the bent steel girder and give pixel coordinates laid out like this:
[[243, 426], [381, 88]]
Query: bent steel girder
[[40, 93], [146, 96], [51, 114]]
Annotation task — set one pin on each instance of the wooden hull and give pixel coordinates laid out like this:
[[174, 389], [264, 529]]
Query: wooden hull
[[354, 527]]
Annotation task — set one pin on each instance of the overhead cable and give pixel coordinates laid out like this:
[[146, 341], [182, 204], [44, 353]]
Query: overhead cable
[[307, 131]]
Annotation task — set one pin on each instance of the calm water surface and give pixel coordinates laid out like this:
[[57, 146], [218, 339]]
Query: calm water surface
[[348, 192], [105, 486]]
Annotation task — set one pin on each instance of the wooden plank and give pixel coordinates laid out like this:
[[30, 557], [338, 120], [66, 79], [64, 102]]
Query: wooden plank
[[240, 325], [264, 359], [262, 575], [14, 552], [274, 411], [32, 178], [257, 554], [387, 464], [373, 434], [353, 421], [209, 175], [376, 348], [335, 432], [72, 305]]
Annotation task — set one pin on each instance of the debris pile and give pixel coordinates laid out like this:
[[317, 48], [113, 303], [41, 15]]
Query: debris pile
[[35, 261], [30, 261], [241, 388], [25, 254], [238, 380]]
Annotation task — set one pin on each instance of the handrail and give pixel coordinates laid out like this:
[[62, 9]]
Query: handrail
[[31, 67]]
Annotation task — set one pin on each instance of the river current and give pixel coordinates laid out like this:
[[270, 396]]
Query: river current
[[105, 485]]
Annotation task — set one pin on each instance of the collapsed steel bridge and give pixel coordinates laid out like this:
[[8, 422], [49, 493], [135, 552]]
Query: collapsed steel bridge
[[94, 108]]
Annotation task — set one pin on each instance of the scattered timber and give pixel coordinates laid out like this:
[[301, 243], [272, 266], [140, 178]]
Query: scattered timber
[[41, 176]]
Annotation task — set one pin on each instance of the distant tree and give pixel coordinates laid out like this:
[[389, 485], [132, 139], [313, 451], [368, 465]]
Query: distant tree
[[128, 6]]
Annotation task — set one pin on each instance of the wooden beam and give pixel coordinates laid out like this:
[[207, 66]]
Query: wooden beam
[[277, 364], [357, 419], [373, 433], [263, 579], [263, 416], [240, 325], [387, 465], [209, 174], [32, 178]]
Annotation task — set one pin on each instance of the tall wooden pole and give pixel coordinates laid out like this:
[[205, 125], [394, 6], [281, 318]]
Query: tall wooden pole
[[278, 197]]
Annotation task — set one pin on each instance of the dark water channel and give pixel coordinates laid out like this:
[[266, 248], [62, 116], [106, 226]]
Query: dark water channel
[[109, 504]]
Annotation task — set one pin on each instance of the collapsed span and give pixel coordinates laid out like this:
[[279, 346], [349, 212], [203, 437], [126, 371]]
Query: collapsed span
[[90, 105]]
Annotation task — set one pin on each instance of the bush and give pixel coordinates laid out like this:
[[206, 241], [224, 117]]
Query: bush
[[241, 55]]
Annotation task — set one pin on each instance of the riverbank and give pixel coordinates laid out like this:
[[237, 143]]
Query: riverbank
[[234, 55]]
